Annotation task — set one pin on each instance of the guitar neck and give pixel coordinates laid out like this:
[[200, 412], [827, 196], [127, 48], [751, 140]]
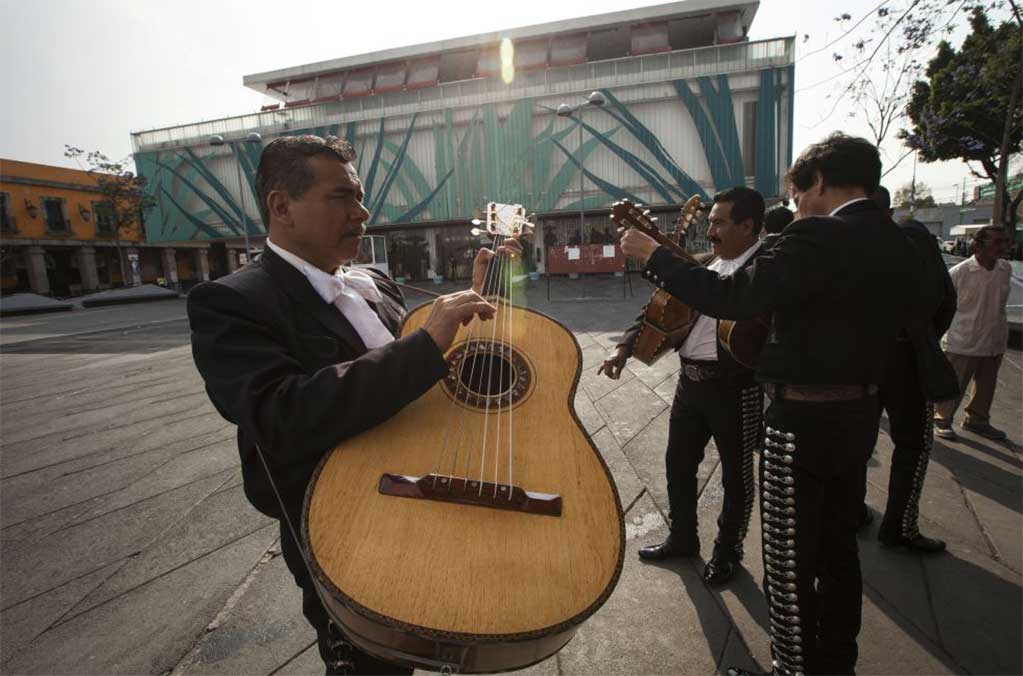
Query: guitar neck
[[663, 240]]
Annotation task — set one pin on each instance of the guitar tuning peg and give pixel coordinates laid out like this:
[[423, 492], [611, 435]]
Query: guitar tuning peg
[[476, 221], [652, 220], [476, 232], [646, 212]]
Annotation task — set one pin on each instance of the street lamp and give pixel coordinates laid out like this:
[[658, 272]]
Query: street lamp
[[565, 110], [253, 137]]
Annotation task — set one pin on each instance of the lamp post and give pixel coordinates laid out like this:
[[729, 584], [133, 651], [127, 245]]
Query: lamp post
[[565, 110], [253, 137]]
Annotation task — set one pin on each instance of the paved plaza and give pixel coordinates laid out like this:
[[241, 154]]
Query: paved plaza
[[128, 546]]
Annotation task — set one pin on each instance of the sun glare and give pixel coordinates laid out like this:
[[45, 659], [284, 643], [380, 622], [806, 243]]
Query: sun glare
[[507, 61]]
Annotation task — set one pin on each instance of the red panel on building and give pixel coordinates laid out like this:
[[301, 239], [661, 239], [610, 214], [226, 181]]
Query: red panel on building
[[582, 258]]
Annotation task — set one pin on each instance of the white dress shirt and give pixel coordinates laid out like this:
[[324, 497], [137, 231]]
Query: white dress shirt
[[702, 342], [980, 327], [843, 206], [349, 292]]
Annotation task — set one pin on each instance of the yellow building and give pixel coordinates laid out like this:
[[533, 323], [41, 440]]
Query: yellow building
[[57, 237]]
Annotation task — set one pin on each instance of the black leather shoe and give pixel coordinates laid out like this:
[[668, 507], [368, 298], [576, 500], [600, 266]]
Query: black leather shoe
[[668, 549], [719, 570], [736, 671], [917, 543]]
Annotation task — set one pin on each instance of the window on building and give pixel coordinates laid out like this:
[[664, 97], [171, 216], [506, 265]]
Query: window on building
[[650, 38], [423, 72], [749, 137], [6, 214], [104, 215], [489, 62], [456, 66], [390, 77], [329, 86], [612, 43], [56, 221], [567, 50], [530, 55]]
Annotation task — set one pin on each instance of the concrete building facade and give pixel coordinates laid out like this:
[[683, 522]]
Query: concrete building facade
[[691, 107]]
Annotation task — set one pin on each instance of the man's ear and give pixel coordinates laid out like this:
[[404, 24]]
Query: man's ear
[[278, 204], [818, 184]]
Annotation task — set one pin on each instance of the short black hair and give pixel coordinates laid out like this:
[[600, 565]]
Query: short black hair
[[984, 235], [841, 160], [882, 198], [283, 165], [746, 203], [776, 218]]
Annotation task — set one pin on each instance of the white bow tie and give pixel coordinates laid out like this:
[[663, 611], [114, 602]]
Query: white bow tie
[[358, 281]]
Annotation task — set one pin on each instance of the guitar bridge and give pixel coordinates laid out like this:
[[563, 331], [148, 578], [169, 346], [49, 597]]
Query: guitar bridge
[[469, 492]]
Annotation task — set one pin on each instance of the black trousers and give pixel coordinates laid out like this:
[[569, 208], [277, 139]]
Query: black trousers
[[810, 500], [911, 426], [339, 655], [729, 409]]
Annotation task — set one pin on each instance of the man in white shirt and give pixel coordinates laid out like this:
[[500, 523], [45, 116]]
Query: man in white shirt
[[977, 338], [716, 397]]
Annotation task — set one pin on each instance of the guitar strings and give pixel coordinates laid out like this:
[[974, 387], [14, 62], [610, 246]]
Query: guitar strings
[[469, 343], [474, 345], [511, 374], [489, 366], [503, 347]]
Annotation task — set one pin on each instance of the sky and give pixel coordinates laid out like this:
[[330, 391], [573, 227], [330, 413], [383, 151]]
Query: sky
[[88, 72]]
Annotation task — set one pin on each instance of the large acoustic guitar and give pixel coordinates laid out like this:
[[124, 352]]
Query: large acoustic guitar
[[666, 321], [475, 530]]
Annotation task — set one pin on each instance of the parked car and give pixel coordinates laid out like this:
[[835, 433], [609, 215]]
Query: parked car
[[948, 246]]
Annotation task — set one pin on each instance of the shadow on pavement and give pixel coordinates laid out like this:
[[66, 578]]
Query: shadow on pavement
[[132, 340]]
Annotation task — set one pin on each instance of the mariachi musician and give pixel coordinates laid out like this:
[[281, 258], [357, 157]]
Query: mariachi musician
[[301, 353], [716, 397], [839, 284]]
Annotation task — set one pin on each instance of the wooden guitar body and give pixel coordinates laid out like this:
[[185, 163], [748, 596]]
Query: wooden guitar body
[[743, 339], [667, 322], [439, 573]]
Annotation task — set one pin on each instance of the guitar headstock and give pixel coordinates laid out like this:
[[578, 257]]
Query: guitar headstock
[[506, 220], [686, 215], [628, 215]]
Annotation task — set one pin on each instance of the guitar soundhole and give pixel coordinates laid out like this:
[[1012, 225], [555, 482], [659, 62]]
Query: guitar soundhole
[[487, 375]]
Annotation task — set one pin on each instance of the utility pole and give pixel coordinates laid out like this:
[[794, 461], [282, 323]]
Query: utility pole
[[912, 189], [962, 202]]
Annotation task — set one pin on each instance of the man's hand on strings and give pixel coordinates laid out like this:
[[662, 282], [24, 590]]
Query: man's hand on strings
[[613, 365], [449, 311], [481, 264]]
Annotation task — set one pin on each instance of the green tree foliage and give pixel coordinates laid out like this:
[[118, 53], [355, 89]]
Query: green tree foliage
[[968, 107]]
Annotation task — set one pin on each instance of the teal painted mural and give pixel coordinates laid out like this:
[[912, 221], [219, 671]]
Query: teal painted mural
[[503, 152]]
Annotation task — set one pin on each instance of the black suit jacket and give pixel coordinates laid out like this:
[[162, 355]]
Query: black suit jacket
[[938, 380], [293, 374], [838, 290]]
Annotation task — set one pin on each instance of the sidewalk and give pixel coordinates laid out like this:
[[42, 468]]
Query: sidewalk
[[128, 546]]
